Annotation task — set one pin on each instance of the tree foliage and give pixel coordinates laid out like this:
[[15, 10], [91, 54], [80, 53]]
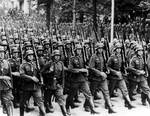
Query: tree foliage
[[62, 9]]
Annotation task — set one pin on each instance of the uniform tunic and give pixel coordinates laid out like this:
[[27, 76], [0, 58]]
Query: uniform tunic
[[137, 63], [54, 81]]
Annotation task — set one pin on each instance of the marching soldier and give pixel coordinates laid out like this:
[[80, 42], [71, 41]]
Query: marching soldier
[[47, 50], [40, 53], [138, 73], [79, 80], [148, 62], [116, 77], [15, 64], [30, 86], [6, 83], [98, 78], [55, 82], [69, 51]]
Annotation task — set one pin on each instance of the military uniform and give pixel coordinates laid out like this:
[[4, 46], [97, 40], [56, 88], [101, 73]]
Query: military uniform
[[6, 85], [28, 70], [98, 76], [69, 53], [47, 50], [148, 62], [115, 65], [137, 73], [54, 83], [15, 64], [78, 81]]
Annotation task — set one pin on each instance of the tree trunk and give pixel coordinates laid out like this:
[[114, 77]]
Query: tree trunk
[[95, 14], [74, 14], [81, 17], [21, 2], [48, 14]]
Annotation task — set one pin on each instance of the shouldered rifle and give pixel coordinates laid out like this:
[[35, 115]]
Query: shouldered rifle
[[107, 49], [124, 58], [20, 47], [37, 63], [145, 64], [8, 47]]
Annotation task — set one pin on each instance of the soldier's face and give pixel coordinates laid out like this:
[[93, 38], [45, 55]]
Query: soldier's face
[[40, 52], [68, 46], [17, 41], [5, 47], [140, 52], [86, 45], [2, 55], [79, 51], [57, 57], [128, 45], [28, 48], [118, 50], [47, 46], [30, 57], [99, 50], [15, 55]]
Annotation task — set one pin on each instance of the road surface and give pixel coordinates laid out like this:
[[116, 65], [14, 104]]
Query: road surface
[[118, 103]]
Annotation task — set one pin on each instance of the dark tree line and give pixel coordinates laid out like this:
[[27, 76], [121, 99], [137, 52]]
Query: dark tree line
[[93, 8]]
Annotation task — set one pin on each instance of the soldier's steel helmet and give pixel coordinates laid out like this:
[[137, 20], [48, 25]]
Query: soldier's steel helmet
[[29, 52], [60, 43], [15, 50], [86, 41], [148, 45], [2, 49], [56, 52], [67, 42], [139, 48], [4, 43], [99, 45], [40, 48], [27, 44], [127, 41], [78, 46], [117, 46], [46, 42]]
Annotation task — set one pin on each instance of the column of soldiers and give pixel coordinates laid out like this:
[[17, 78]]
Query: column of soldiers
[[35, 63]]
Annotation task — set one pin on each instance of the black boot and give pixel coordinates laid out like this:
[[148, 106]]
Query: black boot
[[87, 109], [29, 109], [97, 96], [128, 102], [132, 98], [21, 111], [42, 110], [131, 95], [16, 100], [77, 100], [86, 106], [74, 106], [114, 95], [109, 106], [4, 109], [68, 109], [64, 111], [148, 98], [92, 106], [16, 105], [94, 112], [47, 107], [143, 99], [9, 109]]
